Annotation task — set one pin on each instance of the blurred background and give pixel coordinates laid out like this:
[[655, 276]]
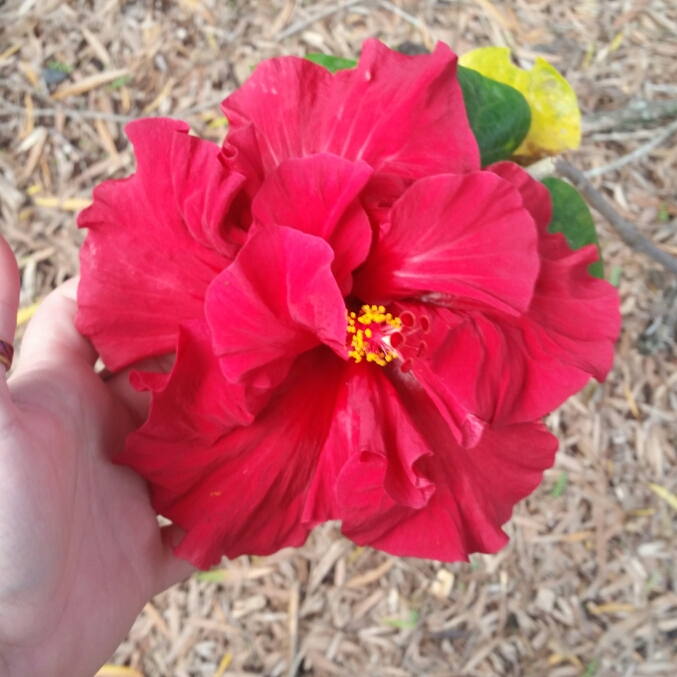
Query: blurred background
[[588, 584]]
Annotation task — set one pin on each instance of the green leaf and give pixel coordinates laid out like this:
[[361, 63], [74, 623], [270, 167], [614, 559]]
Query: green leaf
[[120, 82], [407, 624], [560, 485], [571, 216], [663, 213], [499, 115], [212, 576], [59, 66], [333, 63], [615, 276], [592, 668], [555, 115]]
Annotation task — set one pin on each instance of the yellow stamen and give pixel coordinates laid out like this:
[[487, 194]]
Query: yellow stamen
[[372, 340]]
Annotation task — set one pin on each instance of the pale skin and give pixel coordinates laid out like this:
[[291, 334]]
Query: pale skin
[[81, 551]]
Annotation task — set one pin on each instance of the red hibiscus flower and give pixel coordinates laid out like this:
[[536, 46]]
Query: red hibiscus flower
[[367, 326]]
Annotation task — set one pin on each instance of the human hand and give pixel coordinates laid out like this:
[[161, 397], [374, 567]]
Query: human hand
[[81, 551]]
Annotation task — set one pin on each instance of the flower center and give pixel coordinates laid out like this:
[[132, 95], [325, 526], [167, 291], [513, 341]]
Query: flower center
[[369, 335]]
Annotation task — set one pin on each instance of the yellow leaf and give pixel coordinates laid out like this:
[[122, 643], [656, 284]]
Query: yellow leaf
[[88, 83], [589, 56], [555, 116], [223, 665], [25, 314], [558, 659], [110, 670], [616, 42], [610, 608], [8, 52], [30, 74], [71, 204], [219, 122], [665, 494]]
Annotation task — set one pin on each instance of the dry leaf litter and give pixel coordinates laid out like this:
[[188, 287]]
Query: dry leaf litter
[[588, 584]]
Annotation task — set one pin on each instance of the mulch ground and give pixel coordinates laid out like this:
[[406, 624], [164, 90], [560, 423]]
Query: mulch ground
[[588, 584]]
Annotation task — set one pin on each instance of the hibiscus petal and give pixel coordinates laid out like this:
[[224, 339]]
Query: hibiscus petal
[[318, 195], [379, 196], [280, 106], [400, 114], [205, 191], [371, 434], [472, 367], [278, 299], [467, 237], [507, 370], [475, 490], [143, 271], [535, 195], [575, 320], [511, 370], [201, 409], [241, 154], [242, 491], [343, 436]]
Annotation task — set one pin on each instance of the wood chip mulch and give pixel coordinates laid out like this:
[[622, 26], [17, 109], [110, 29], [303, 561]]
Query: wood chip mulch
[[588, 584]]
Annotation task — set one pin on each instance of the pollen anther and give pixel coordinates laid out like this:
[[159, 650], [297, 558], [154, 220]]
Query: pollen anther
[[369, 335]]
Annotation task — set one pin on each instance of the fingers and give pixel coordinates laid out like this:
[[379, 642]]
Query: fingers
[[173, 570], [51, 338], [138, 403], [10, 286]]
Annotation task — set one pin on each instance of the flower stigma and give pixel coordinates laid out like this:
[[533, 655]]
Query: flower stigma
[[369, 335]]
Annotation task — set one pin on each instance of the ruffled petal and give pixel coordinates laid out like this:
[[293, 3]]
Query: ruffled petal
[[475, 490], [400, 114], [277, 300], [378, 198], [204, 192], [343, 436], [509, 370], [574, 319], [318, 195], [535, 196], [403, 115], [371, 435], [503, 369], [467, 237], [241, 154], [195, 410], [577, 312], [242, 491], [143, 270]]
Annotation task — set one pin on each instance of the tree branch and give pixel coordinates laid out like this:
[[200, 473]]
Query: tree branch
[[664, 133], [629, 234], [636, 113]]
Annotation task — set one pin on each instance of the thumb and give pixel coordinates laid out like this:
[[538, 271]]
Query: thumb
[[10, 286], [172, 569]]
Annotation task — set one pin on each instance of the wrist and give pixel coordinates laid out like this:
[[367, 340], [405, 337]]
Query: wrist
[[25, 662]]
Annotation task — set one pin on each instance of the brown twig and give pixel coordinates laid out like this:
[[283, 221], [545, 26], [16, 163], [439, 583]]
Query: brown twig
[[323, 14], [293, 629], [629, 234], [10, 109], [636, 114], [660, 136], [401, 13]]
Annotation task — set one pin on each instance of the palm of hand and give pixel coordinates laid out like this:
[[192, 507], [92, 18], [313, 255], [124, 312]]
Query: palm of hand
[[80, 548]]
